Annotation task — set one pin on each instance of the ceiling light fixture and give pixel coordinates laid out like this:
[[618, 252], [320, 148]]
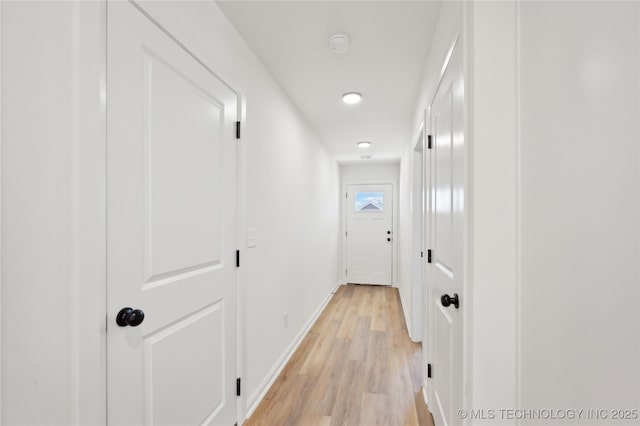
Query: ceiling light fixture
[[351, 98], [339, 44], [364, 144]]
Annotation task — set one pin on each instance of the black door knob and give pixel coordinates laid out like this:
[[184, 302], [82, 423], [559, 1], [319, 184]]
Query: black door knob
[[388, 239], [128, 316], [447, 300], [388, 232]]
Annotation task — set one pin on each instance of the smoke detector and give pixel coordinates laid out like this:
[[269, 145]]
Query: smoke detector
[[339, 43]]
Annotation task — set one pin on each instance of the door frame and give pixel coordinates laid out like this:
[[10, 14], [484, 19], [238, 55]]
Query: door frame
[[90, 363], [1, 211], [394, 227], [89, 288], [419, 220]]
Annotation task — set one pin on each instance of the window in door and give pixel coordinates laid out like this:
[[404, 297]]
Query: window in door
[[369, 202]]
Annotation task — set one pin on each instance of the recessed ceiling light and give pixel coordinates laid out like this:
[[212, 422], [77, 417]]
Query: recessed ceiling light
[[364, 144], [339, 44], [351, 97]]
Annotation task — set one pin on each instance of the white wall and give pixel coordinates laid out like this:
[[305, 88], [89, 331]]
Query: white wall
[[369, 172], [51, 225], [387, 171], [579, 204], [555, 102]]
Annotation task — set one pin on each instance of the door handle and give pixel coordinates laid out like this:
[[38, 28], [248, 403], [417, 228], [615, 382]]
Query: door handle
[[388, 232], [388, 239], [447, 300], [131, 317]]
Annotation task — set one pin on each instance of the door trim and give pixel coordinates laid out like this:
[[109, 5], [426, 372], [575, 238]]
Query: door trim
[[88, 287], [1, 212], [418, 263], [394, 221]]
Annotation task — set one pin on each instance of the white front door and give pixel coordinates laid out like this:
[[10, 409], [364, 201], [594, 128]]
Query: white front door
[[369, 234], [171, 211], [447, 162]]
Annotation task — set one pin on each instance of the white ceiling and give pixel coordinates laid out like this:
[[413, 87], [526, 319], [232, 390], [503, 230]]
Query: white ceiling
[[389, 46]]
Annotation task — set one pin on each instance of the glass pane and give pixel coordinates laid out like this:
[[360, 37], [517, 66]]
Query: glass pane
[[369, 202]]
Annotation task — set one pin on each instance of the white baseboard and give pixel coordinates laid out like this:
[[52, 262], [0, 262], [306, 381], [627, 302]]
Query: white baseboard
[[425, 395], [255, 398], [407, 320]]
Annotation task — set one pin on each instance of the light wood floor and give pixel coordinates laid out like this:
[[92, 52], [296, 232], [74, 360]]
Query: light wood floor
[[356, 366]]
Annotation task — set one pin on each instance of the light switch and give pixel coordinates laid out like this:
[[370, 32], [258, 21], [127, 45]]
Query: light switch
[[251, 237]]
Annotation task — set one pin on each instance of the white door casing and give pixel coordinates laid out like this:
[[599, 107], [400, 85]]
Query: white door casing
[[446, 271], [417, 236], [171, 238], [369, 234]]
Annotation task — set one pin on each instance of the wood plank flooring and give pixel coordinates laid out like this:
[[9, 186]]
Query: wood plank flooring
[[356, 366]]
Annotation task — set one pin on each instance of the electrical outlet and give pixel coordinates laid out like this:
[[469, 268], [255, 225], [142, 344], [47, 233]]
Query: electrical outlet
[[285, 319], [251, 237]]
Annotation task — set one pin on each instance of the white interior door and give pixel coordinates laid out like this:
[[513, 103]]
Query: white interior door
[[447, 230], [171, 230], [369, 234]]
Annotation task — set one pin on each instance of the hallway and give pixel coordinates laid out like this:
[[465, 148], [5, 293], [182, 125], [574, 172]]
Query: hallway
[[187, 187], [356, 366]]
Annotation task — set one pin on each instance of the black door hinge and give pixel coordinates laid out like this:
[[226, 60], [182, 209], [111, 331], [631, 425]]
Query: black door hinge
[[429, 142], [237, 258], [421, 254], [237, 130], [429, 256], [238, 387], [429, 370]]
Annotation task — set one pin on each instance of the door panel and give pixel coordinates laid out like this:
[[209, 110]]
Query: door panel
[[446, 273], [443, 354], [200, 373], [171, 213], [369, 234], [180, 237], [443, 181]]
